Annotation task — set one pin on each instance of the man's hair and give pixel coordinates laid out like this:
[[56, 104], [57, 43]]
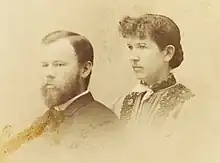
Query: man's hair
[[161, 29], [82, 46]]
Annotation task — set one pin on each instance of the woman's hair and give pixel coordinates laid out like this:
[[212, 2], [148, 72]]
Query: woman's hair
[[160, 28]]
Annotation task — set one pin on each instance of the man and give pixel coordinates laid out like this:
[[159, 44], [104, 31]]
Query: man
[[154, 44], [73, 114]]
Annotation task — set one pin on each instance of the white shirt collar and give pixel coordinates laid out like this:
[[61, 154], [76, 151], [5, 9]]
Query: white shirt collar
[[65, 105]]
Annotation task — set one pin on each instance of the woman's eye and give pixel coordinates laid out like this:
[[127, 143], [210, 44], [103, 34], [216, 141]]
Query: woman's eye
[[44, 65], [130, 47], [142, 46]]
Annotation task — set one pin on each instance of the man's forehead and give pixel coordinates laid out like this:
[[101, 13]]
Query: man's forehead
[[60, 49], [58, 45]]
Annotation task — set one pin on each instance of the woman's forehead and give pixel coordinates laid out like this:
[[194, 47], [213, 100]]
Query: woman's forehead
[[136, 40]]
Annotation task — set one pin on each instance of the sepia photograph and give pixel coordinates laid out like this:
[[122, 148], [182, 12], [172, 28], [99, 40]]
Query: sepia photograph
[[110, 81]]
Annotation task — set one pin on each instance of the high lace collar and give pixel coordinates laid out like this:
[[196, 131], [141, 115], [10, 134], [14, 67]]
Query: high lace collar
[[171, 80]]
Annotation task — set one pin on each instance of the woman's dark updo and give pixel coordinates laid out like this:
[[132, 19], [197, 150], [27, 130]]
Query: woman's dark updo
[[160, 28]]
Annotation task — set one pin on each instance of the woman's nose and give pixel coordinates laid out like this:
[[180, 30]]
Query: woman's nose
[[134, 58]]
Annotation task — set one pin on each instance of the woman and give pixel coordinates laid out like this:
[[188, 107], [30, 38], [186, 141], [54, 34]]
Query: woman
[[155, 50]]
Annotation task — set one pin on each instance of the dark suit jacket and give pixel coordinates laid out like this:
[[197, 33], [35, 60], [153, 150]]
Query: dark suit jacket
[[84, 123]]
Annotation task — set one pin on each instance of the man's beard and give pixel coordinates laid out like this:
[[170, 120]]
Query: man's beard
[[56, 96]]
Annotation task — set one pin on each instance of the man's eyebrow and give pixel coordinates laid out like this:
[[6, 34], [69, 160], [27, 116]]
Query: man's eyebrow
[[55, 61], [59, 61]]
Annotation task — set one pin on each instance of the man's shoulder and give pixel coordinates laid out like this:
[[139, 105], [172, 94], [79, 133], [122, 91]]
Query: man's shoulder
[[87, 107], [97, 108], [98, 105], [92, 123], [94, 114]]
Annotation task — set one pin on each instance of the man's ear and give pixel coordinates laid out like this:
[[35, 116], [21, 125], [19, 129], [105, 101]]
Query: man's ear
[[86, 69], [169, 52]]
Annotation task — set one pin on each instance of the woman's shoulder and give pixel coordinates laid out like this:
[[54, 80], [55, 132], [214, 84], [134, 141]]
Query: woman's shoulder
[[180, 92], [177, 99], [176, 95], [117, 104]]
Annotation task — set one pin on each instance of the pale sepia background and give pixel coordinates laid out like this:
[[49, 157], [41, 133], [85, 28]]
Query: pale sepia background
[[24, 22]]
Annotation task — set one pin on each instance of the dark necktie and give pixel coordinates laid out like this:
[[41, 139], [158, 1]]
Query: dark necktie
[[55, 119]]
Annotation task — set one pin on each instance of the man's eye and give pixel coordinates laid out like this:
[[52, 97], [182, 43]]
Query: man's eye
[[59, 64]]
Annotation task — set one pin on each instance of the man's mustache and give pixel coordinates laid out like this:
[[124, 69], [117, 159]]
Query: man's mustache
[[49, 86]]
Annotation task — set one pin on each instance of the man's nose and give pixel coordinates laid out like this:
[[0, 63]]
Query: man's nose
[[49, 72], [49, 79]]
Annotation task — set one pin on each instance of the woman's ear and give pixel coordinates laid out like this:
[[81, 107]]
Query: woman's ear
[[169, 52], [86, 69]]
